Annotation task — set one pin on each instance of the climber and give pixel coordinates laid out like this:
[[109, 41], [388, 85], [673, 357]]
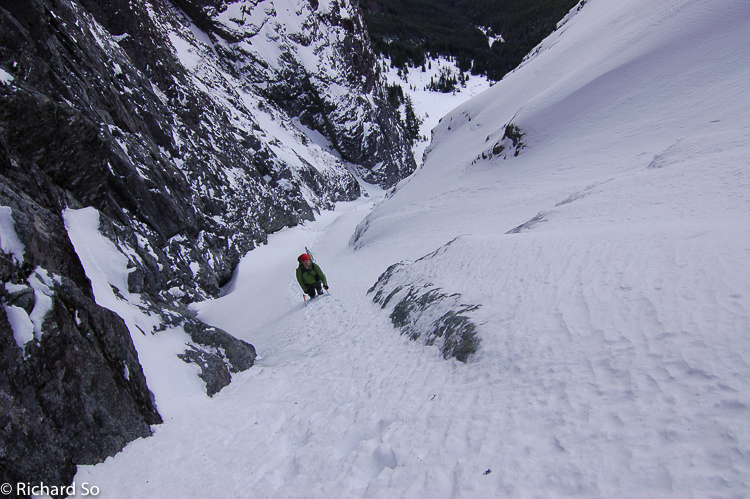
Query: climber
[[309, 276]]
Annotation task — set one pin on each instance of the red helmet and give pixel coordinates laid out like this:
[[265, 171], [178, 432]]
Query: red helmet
[[303, 257]]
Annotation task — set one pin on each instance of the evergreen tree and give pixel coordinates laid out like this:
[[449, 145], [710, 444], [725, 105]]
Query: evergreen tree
[[412, 121], [445, 84], [395, 95]]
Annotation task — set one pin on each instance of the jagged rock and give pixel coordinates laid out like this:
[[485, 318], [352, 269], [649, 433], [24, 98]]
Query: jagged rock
[[23, 298], [217, 352], [239, 354], [213, 370], [424, 311], [75, 393], [332, 83]]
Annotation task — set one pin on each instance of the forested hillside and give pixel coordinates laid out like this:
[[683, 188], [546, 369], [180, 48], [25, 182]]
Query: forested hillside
[[488, 37]]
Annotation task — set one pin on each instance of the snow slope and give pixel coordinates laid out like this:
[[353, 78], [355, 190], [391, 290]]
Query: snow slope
[[611, 260]]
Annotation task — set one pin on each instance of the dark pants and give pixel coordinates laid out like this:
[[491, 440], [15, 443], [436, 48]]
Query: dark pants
[[318, 286]]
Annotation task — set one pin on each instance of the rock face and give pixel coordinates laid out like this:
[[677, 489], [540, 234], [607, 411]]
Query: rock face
[[326, 74], [73, 390], [195, 128], [424, 311]]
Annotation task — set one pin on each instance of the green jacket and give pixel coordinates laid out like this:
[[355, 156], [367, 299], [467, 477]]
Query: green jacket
[[308, 277]]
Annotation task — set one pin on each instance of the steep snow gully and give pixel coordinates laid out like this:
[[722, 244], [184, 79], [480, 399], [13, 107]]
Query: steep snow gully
[[611, 264]]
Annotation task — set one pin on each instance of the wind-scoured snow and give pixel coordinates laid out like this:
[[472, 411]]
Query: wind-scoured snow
[[610, 261]]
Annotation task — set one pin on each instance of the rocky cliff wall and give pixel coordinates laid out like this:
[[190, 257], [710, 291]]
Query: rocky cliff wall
[[71, 385], [191, 126]]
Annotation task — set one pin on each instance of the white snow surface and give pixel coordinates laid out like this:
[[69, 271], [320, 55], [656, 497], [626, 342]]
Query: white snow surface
[[615, 319], [20, 323], [27, 327], [5, 77], [9, 241]]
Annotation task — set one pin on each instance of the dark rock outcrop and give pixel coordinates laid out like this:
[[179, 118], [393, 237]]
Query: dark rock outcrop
[[213, 371], [424, 311], [217, 353], [75, 393]]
